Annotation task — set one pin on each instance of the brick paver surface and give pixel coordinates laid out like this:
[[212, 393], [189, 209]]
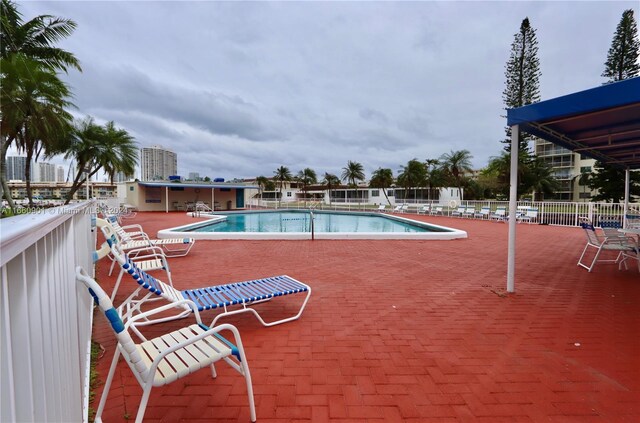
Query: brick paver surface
[[409, 331]]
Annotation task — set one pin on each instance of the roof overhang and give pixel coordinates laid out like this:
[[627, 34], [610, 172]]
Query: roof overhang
[[602, 123], [199, 186]]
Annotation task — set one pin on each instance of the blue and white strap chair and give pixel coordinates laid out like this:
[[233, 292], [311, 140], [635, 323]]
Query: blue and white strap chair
[[165, 359], [173, 247], [624, 247], [229, 299]]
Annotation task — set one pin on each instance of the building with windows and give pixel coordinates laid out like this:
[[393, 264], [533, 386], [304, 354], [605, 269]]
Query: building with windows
[[157, 163], [16, 166], [60, 175], [567, 168], [44, 172]]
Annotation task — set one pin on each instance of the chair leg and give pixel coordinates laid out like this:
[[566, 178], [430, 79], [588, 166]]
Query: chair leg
[[143, 402], [107, 385]]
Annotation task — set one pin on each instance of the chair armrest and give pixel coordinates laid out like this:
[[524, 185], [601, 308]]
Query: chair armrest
[[211, 331], [131, 320]]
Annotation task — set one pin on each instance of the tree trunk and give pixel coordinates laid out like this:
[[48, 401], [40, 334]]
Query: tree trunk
[[384, 191], [3, 174], [27, 176]]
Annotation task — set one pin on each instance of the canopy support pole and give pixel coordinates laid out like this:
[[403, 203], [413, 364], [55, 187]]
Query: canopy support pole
[[213, 200], [513, 199], [627, 182], [166, 199]]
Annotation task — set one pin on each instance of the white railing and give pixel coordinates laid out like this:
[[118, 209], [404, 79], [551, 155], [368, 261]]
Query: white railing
[[45, 318], [549, 213]]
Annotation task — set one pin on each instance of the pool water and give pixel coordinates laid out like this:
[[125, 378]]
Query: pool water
[[300, 221], [296, 225]]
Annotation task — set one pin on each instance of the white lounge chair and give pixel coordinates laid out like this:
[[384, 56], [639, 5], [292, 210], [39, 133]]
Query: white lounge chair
[[436, 210], [530, 215], [483, 213], [469, 212], [381, 208], [167, 358], [625, 248], [172, 247], [500, 215], [458, 212], [229, 299], [424, 209]]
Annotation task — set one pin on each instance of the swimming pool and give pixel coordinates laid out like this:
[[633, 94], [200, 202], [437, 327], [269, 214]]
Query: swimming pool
[[296, 224]]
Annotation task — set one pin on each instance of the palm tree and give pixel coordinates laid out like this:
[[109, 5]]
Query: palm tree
[[94, 148], [306, 177], [36, 37], [539, 177], [282, 175], [33, 40], [433, 175], [456, 164], [330, 181], [382, 178], [34, 116], [413, 174], [352, 173], [262, 182]]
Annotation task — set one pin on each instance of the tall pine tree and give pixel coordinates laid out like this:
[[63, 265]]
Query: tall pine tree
[[622, 60], [522, 73], [621, 64]]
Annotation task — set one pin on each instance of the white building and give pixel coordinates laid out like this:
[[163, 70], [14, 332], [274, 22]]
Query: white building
[[157, 163], [44, 172], [16, 166], [60, 175]]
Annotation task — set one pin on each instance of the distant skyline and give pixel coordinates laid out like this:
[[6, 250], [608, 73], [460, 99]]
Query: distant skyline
[[238, 89]]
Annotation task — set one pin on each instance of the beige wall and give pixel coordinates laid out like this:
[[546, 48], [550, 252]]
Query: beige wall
[[140, 194]]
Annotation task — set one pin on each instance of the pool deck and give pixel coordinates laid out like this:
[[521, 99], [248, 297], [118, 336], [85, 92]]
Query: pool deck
[[409, 331]]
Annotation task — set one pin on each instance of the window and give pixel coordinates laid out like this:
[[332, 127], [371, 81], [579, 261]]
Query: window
[[375, 193], [585, 169], [288, 193], [390, 193]]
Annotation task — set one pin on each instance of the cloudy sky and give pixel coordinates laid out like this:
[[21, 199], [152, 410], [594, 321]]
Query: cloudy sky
[[238, 89]]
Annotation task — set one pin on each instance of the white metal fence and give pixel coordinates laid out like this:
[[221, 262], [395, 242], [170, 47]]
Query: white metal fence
[[549, 213], [45, 318]]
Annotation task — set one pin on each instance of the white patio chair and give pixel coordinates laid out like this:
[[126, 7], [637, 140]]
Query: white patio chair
[[424, 209], [398, 208], [625, 248], [500, 215], [459, 211], [436, 210], [381, 208], [530, 215], [228, 299], [469, 212], [165, 359], [483, 213]]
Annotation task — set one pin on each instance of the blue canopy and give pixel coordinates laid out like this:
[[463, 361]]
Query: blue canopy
[[602, 123]]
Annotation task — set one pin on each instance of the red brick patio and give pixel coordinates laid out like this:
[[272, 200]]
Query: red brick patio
[[410, 331]]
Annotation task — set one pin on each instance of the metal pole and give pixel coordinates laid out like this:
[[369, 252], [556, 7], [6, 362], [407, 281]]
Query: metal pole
[[513, 198], [627, 181]]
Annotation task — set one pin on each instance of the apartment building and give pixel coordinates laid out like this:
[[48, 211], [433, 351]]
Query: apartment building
[[157, 163]]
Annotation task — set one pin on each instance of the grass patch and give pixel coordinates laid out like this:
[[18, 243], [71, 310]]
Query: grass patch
[[96, 354]]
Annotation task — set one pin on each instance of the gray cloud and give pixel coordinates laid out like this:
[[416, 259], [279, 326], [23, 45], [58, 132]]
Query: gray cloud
[[240, 88]]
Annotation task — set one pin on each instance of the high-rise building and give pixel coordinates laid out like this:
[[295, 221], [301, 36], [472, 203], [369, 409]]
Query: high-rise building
[[157, 163], [567, 168], [44, 172], [60, 176], [194, 176], [16, 166], [122, 177]]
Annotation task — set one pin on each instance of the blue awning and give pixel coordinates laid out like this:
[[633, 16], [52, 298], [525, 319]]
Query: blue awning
[[602, 123]]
